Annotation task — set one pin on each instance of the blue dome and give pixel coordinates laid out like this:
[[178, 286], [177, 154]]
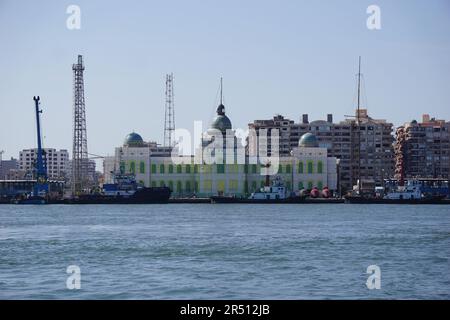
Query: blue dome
[[133, 139], [308, 140]]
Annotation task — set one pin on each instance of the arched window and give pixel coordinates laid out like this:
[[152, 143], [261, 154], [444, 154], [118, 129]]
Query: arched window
[[300, 167], [188, 186], [179, 169], [161, 168], [310, 167], [179, 187], [170, 168], [188, 168], [196, 186], [142, 167], [171, 185], [122, 167], [288, 168], [153, 168], [319, 167], [195, 168], [132, 167]]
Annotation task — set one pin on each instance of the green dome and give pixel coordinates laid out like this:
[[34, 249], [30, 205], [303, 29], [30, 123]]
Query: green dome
[[133, 140], [308, 140], [221, 121]]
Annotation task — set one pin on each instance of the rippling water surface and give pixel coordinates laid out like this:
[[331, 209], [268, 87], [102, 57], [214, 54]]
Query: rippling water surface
[[202, 251]]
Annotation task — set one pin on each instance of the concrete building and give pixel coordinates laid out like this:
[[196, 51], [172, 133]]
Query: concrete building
[[7, 166], [340, 140], [57, 162], [426, 149]]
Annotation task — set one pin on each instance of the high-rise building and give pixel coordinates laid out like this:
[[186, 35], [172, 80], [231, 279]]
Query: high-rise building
[[426, 148], [341, 141], [6, 166], [57, 162]]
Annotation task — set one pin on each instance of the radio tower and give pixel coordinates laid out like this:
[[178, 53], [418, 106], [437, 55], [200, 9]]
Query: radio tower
[[79, 154], [169, 120]]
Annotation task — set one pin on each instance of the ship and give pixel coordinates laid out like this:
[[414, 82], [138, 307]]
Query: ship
[[410, 191], [124, 190]]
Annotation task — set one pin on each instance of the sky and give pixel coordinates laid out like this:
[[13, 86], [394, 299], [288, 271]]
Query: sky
[[276, 57]]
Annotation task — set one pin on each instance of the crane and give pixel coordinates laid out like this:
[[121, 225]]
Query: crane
[[41, 186]]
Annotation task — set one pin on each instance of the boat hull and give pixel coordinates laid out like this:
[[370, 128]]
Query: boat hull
[[362, 200], [141, 196], [221, 199]]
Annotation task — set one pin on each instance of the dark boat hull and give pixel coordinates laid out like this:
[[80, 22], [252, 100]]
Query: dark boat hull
[[362, 200], [141, 196], [221, 199]]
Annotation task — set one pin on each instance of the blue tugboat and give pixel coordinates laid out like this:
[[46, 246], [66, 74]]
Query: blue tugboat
[[124, 190]]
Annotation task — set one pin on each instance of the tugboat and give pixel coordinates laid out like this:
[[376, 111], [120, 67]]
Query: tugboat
[[124, 190], [274, 193]]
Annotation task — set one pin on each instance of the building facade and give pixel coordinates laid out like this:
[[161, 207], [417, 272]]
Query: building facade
[[426, 148], [341, 141], [57, 162], [7, 167], [306, 167]]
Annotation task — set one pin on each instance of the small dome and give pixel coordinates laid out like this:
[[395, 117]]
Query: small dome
[[221, 121], [133, 140], [308, 140]]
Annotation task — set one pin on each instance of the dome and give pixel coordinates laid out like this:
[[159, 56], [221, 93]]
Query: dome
[[308, 140], [133, 140], [221, 121]]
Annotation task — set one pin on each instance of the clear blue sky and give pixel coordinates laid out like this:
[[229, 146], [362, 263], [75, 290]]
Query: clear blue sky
[[286, 57]]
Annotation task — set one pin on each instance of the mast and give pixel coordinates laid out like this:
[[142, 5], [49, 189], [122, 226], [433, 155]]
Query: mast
[[358, 126], [221, 91]]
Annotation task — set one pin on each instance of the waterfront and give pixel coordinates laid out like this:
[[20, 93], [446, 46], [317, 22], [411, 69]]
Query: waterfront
[[203, 251]]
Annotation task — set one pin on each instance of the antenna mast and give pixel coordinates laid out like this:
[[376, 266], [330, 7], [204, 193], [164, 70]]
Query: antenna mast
[[358, 126], [79, 154], [169, 119]]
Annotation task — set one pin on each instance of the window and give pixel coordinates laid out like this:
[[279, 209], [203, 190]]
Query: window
[[320, 185], [196, 168], [280, 169], [122, 167], [153, 168], [220, 168], [179, 187], [319, 167], [300, 185], [300, 167], [171, 185], [132, 167], [233, 185], [170, 168], [310, 185], [288, 168], [207, 185], [196, 186], [310, 167], [179, 169], [221, 185], [188, 168], [161, 168], [188, 186], [253, 168], [142, 167]]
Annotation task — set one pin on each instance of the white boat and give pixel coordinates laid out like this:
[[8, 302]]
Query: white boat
[[277, 191]]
